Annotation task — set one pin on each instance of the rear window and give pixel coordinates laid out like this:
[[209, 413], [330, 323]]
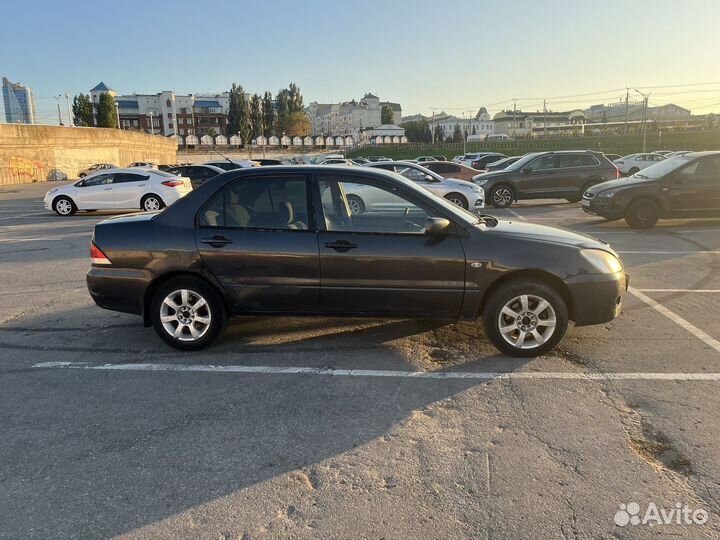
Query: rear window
[[167, 173], [577, 160]]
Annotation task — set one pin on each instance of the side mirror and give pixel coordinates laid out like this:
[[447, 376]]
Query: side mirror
[[429, 178], [435, 225]]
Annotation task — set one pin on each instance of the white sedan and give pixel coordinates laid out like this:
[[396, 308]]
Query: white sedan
[[118, 189], [633, 163]]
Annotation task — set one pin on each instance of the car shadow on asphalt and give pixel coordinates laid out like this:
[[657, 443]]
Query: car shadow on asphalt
[[146, 446]]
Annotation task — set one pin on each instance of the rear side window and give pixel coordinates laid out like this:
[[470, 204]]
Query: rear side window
[[576, 160], [443, 168], [124, 178], [261, 204]]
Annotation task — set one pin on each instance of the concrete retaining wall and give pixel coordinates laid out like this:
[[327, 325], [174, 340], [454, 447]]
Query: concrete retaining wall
[[31, 153]]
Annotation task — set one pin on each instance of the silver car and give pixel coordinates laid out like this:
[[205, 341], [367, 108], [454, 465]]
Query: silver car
[[92, 169], [461, 192]]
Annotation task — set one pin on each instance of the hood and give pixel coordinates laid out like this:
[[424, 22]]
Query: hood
[[457, 182], [493, 174], [620, 183], [544, 233]]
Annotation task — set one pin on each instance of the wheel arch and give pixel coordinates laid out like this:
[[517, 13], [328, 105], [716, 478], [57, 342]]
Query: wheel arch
[[534, 274], [64, 196], [164, 278], [648, 197]]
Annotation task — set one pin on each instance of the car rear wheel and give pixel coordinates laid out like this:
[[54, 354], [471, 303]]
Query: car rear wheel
[[501, 196], [64, 206], [356, 204], [642, 214], [151, 203], [458, 199], [187, 313], [525, 318]]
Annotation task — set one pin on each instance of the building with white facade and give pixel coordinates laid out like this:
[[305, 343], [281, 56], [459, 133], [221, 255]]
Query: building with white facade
[[19, 103], [349, 118], [527, 124]]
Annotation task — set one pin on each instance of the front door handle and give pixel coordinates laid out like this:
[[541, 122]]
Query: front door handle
[[217, 241], [108, 188], [341, 246]]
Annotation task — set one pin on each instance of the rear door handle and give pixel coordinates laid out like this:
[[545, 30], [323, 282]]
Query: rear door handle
[[341, 245], [217, 241], [108, 188]]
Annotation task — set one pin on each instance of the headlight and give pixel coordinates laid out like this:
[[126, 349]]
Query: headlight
[[480, 182], [53, 190], [606, 194], [606, 262]]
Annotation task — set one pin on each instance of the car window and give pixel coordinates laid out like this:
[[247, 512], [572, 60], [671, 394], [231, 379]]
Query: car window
[[701, 169], [543, 163], [124, 178], [415, 175], [354, 205], [443, 168], [262, 203], [99, 180], [576, 160]]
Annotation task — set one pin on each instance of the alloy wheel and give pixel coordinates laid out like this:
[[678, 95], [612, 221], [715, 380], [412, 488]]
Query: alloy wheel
[[355, 207], [527, 321], [185, 315], [151, 203], [457, 202], [502, 197], [63, 207]]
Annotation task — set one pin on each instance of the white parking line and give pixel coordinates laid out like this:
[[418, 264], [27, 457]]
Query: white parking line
[[514, 213], [677, 319], [292, 370], [688, 252], [25, 216], [713, 291]]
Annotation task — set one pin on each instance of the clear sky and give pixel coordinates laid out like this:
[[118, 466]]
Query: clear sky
[[455, 55]]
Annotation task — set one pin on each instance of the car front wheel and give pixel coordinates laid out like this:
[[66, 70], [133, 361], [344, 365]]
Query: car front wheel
[[64, 206], [525, 318], [501, 196], [457, 199], [187, 313], [356, 204], [642, 214]]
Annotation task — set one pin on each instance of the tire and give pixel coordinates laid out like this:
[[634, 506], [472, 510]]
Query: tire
[[642, 214], [501, 196], [199, 310], [356, 204], [458, 199], [64, 206], [151, 203], [82, 175], [633, 171], [533, 319], [573, 199]]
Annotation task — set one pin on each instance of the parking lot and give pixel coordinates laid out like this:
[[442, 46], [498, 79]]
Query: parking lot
[[345, 428]]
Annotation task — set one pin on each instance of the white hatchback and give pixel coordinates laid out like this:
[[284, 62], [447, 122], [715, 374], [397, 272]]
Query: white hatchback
[[119, 189]]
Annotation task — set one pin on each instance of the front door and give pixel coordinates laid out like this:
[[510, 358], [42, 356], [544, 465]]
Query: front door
[[128, 188], [539, 178], [258, 239], [95, 193], [380, 261], [695, 188]]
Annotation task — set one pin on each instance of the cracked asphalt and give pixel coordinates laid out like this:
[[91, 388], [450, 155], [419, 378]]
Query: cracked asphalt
[[225, 455]]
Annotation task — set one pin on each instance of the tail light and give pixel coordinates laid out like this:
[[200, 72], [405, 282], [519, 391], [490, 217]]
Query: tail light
[[173, 183], [97, 256]]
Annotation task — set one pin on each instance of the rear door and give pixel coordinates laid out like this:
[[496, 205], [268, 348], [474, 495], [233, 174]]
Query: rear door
[[95, 193], [380, 261], [128, 189], [573, 170], [259, 240]]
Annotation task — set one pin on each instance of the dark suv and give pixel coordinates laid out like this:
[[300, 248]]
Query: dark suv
[[547, 175], [686, 186]]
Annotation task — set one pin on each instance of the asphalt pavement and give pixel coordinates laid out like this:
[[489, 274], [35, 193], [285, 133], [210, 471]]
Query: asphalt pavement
[[345, 428]]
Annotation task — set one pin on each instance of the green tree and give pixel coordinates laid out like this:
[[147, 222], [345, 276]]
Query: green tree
[[439, 134], [417, 131], [268, 114], [457, 135], [386, 115], [256, 115], [106, 113], [295, 124], [282, 106], [295, 99], [82, 110], [239, 114]]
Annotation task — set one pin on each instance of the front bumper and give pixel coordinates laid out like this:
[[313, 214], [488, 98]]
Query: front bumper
[[597, 298], [118, 289], [603, 207]]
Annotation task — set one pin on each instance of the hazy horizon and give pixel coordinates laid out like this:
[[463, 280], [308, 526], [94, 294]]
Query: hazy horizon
[[455, 56]]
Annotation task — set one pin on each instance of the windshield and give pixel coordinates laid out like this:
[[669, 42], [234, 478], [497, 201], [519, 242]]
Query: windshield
[[662, 168], [520, 163]]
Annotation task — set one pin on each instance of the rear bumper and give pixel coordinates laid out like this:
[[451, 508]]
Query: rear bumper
[[597, 298], [118, 289]]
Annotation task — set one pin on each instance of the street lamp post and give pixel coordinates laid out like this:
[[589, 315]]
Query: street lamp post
[[152, 128], [644, 118], [117, 114]]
